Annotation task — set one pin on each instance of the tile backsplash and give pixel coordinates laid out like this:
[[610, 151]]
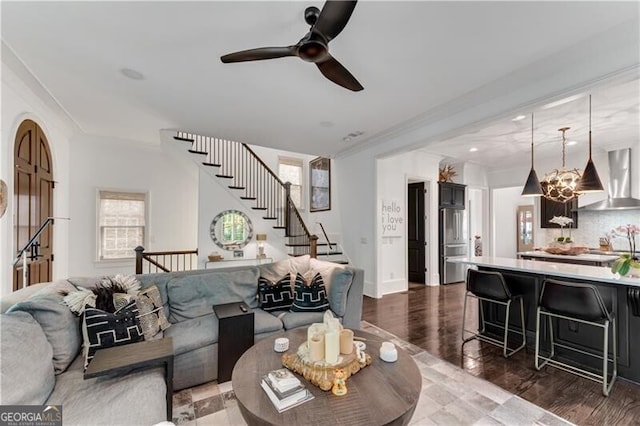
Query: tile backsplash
[[591, 226]]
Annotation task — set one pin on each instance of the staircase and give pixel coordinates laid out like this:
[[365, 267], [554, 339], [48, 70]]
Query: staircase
[[242, 170]]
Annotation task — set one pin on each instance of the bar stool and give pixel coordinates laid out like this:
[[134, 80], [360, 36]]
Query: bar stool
[[581, 303], [490, 287]]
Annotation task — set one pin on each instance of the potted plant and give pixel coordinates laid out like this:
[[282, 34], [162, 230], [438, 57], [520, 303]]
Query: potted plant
[[627, 263]]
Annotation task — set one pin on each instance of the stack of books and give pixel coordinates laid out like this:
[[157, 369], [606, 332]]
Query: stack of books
[[284, 389]]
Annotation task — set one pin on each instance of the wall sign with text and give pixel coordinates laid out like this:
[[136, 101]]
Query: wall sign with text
[[392, 218]]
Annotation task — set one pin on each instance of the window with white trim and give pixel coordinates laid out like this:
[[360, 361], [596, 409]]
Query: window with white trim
[[290, 170], [121, 224]]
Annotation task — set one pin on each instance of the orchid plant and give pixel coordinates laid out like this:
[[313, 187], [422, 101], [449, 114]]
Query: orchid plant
[[562, 221], [625, 262]]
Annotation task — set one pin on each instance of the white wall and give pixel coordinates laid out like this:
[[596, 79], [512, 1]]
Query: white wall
[[105, 163], [393, 175], [504, 206], [22, 99]]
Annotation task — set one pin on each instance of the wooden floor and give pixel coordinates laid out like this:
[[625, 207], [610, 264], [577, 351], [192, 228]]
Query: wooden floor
[[431, 318]]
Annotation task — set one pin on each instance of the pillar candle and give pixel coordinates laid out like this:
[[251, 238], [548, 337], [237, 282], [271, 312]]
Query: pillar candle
[[331, 347], [315, 328], [316, 348], [346, 341]]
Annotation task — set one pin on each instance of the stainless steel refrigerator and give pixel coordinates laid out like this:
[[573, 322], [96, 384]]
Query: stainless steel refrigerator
[[454, 242]]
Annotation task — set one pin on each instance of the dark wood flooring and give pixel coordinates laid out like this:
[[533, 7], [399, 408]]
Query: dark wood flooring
[[431, 318]]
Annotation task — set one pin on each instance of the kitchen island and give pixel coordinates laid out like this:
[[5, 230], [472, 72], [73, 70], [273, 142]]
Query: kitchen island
[[620, 294], [578, 259]]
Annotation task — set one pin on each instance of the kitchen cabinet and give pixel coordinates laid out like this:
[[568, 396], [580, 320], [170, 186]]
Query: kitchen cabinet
[[549, 209], [451, 195]]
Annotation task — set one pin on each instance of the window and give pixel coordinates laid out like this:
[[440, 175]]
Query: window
[[121, 224], [290, 170]]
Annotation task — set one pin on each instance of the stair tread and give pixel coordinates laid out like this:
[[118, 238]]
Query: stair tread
[[279, 227], [269, 218], [259, 208], [247, 198], [211, 164], [193, 151], [236, 187], [224, 176], [178, 138], [329, 253]]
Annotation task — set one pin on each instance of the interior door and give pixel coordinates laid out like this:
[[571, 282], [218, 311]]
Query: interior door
[[415, 234], [33, 200], [525, 223]]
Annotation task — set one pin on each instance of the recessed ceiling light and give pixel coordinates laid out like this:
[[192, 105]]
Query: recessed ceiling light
[[347, 138], [569, 143], [132, 74], [473, 149], [520, 117]]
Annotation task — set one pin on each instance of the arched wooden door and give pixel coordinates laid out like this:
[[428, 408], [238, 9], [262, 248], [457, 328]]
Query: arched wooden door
[[33, 200]]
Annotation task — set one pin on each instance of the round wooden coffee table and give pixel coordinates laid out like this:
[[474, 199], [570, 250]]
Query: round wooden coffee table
[[379, 394]]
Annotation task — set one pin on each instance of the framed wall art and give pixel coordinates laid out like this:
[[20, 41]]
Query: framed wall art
[[320, 176]]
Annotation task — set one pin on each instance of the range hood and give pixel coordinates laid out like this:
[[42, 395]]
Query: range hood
[[619, 188]]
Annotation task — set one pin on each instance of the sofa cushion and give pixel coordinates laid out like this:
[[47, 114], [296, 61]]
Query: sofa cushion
[[137, 398], [337, 279], [59, 324], [26, 370], [264, 322], [275, 296], [300, 319], [102, 329], [193, 333], [193, 296], [309, 298]]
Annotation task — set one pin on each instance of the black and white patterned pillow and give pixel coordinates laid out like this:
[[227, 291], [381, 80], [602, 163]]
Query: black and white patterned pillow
[[275, 296], [102, 329], [309, 298]]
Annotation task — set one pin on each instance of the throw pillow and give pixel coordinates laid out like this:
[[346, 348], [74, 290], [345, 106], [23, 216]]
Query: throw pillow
[[151, 312], [310, 298], [103, 329], [275, 296]]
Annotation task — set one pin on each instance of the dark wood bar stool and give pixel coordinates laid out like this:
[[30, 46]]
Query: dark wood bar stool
[[581, 303], [490, 287]]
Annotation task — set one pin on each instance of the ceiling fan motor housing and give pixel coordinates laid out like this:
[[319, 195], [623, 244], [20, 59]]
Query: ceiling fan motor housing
[[311, 15]]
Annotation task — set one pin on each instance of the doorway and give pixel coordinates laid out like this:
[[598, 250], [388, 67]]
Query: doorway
[[33, 201], [416, 232]]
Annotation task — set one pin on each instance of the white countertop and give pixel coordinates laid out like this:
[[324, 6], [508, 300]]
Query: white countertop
[[567, 270], [585, 256]]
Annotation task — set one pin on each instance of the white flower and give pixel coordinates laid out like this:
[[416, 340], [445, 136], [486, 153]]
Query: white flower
[[561, 220]]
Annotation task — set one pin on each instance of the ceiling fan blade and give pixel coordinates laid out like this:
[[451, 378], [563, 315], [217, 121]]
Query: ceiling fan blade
[[335, 72], [260, 54], [333, 18]]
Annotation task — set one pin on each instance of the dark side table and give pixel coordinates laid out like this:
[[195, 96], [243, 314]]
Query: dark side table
[[235, 335], [140, 355]]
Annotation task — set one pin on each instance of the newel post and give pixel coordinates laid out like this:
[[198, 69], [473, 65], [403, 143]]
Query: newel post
[[287, 209], [313, 246], [139, 251]]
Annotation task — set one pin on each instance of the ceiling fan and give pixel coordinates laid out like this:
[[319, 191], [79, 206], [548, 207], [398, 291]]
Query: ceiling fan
[[314, 46]]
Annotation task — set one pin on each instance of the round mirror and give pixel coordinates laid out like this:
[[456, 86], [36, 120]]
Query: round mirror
[[231, 230]]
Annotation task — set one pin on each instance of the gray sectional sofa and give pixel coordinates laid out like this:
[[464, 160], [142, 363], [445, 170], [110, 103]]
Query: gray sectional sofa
[[42, 361]]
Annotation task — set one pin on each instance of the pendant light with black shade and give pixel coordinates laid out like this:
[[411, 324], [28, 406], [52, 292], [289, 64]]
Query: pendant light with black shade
[[532, 187], [590, 181]]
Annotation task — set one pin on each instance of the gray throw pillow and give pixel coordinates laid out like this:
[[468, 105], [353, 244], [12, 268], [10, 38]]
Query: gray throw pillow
[[26, 370], [60, 325]]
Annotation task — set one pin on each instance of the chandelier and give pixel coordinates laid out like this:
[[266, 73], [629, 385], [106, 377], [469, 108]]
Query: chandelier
[[561, 184]]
